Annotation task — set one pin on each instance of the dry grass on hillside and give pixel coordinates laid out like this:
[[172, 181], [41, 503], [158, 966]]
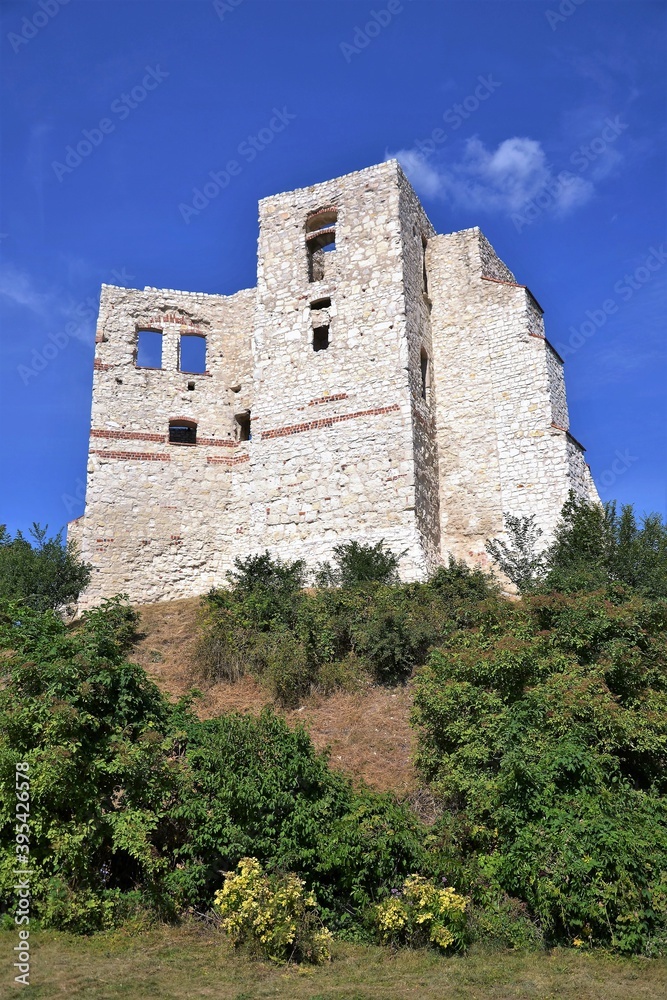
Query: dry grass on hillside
[[367, 731]]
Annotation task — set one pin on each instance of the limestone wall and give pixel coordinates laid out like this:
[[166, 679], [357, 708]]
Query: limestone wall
[[332, 433], [156, 522], [501, 412], [393, 384]]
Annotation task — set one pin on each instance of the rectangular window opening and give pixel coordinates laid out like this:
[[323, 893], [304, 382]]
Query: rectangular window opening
[[192, 354], [242, 426], [149, 349], [320, 338]]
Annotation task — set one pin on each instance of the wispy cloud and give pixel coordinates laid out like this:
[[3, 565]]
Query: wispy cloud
[[17, 287], [504, 179]]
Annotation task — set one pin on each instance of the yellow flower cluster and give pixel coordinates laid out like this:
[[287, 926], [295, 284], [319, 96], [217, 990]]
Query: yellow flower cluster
[[421, 911], [273, 911]]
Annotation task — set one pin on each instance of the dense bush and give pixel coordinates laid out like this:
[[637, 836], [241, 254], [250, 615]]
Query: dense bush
[[138, 806], [296, 640], [46, 574], [422, 913], [545, 732], [273, 914]]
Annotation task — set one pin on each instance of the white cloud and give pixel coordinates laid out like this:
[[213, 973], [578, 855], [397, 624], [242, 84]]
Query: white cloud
[[17, 286], [504, 179]]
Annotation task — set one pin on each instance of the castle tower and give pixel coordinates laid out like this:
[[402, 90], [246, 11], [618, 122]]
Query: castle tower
[[380, 382], [339, 327]]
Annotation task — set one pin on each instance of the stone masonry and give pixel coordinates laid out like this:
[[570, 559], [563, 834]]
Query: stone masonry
[[380, 382]]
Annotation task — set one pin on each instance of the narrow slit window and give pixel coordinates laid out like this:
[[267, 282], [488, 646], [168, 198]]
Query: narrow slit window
[[320, 319], [149, 349], [192, 354], [320, 240], [425, 366], [424, 271], [182, 431], [242, 426]]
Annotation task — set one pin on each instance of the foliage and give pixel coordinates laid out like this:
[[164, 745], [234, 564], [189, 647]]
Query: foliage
[[519, 558], [260, 788], [355, 563], [593, 547], [337, 634], [46, 574], [137, 806], [422, 913], [545, 731], [273, 912], [596, 547], [91, 728]]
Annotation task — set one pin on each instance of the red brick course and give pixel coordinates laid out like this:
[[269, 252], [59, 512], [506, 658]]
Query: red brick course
[[147, 456], [223, 460], [327, 421], [328, 399]]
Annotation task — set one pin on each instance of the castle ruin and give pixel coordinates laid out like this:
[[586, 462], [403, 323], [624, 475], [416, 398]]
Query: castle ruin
[[381, 381]]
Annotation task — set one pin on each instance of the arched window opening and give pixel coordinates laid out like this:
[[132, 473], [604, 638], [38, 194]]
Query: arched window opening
[[182, 431], [320, 239]]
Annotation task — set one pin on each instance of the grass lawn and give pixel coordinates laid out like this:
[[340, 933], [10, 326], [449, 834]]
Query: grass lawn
[[190, 962]]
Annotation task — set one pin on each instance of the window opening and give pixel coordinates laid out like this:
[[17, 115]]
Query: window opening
[[425, 374], [320, 338], [192, 354], [243, 429], [320, 240], [149, 349], [182, 432], [424, 272]]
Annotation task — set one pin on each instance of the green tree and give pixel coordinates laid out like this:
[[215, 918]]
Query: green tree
[[45, 574]]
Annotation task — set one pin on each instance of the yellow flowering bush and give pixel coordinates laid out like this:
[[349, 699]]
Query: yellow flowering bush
[[272, 913], [420, 914]]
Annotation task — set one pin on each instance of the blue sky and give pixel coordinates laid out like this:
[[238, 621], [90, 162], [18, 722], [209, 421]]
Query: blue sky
[[542, 123]]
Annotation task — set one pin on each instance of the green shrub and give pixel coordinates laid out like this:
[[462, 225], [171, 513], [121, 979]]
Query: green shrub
[[274, 913], [356, 563], [43, 575], [545, 732]]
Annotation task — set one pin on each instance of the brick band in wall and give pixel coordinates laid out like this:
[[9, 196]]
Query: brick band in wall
[[223, 460], [311, 425], [148, 456], [328, 399], [128, 435], [145, 436]]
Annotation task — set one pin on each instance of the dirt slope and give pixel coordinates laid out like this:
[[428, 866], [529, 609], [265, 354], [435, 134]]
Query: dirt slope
[[367, 732]]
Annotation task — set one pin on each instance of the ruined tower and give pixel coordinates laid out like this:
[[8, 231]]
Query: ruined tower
[[380, 382]]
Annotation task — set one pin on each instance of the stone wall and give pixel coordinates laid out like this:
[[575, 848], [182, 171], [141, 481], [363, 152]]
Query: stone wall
[[500, 403], [393, 384]]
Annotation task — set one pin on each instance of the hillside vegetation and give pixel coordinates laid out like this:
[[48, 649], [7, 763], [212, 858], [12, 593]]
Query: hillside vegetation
[[534, 813]]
